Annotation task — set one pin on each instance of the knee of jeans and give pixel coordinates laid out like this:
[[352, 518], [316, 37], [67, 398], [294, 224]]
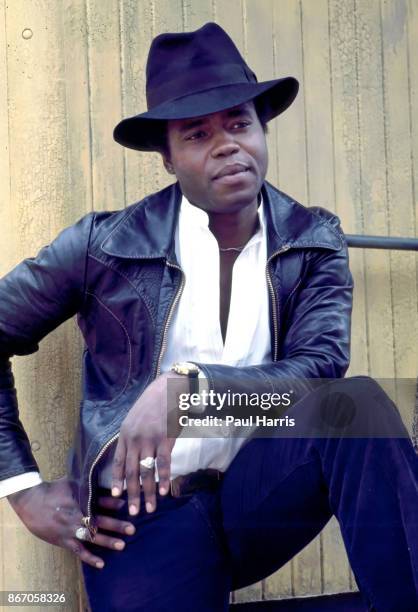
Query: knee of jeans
[[367, 393], [337, 407], [361, 396], [361, 390]]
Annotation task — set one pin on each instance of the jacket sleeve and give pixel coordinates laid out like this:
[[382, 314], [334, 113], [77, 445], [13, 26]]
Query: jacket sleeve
[[314, 336], [35, 297]]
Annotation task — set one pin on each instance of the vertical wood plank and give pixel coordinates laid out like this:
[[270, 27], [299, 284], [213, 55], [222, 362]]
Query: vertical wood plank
[[347, 163], [5, 216], [401, 220], [229, 15], [105, 102], [197, 13], [290, 127], [144, 171], [412, 53], [76, 82], [5, 223], [334, 566], [40, 205], [374, 194], [347, 177], [279, 585], [261, 59], [318, 104]]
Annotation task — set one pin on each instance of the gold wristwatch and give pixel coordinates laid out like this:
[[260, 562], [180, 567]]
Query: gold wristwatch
[[185, 368]]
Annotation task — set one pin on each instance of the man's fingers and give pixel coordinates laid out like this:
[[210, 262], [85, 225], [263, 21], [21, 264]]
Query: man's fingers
[[106, 541], [111, 524], [132, 478], [118, 467], [110, 503], [76, 547], [163, 466], [148, 477]]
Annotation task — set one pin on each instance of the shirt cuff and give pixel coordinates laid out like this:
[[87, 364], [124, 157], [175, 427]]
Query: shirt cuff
[[18, 483]]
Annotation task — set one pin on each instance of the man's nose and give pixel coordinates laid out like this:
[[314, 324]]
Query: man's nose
[[225, 145]]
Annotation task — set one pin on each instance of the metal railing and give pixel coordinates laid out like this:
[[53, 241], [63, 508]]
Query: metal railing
[[382, 242]]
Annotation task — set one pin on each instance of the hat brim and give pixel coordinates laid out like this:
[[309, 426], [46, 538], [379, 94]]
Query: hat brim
[[141, 132]]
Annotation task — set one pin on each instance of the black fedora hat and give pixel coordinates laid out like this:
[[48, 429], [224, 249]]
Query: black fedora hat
[[190, 74]]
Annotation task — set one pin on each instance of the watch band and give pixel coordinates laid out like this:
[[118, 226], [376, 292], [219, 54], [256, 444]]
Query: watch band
[[191, 370]]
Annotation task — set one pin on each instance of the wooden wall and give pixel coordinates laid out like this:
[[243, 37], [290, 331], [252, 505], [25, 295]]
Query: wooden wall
[[70, 69]]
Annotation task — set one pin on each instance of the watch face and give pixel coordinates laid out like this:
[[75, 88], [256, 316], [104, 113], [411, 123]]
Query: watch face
[[186, 368]]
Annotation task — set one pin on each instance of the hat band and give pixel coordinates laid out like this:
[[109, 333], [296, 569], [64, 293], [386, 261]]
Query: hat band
[[192, 81]]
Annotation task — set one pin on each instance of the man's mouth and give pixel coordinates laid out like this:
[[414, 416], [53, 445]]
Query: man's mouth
[[231, 170]]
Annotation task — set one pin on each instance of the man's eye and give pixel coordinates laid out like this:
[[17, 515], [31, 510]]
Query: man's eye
[[241, 124], [195, 135]]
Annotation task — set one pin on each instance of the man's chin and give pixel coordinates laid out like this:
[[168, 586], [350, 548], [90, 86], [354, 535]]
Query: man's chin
[[229, 202], [233, 201]]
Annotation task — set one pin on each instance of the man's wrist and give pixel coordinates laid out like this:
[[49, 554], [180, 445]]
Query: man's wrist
[[19, 499], [189, 370], [13, 484], [182, 384]]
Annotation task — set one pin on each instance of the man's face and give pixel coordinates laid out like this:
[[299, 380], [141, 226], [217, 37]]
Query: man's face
[[220, 159]]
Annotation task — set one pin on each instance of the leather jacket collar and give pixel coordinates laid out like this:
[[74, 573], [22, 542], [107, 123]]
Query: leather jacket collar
[[289, 225]]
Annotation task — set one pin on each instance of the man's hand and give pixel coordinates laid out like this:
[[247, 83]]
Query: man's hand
[[50, 512], [144, 434]]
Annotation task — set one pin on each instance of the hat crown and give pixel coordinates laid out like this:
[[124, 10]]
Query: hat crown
[[180, 64], [192, 74]]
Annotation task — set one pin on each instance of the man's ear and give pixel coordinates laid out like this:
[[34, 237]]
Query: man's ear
[[168, 165]]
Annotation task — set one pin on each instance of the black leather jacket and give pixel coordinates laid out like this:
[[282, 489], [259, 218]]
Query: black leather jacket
[[118, 272]]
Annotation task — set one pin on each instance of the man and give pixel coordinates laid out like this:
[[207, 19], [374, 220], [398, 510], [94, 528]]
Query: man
[[218, 282]]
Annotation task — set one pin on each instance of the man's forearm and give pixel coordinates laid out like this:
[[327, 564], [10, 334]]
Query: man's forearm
[[16, 457]]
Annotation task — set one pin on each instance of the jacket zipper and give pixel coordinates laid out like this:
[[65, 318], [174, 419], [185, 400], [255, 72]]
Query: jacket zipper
[[157, 371], [170, 314], [282, 249]]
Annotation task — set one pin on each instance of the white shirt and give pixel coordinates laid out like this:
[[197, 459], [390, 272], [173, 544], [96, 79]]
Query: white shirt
[[195, 333]]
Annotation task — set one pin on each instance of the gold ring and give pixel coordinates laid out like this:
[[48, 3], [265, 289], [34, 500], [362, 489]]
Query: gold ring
[[89, 523], [83, 533], [148, 462]]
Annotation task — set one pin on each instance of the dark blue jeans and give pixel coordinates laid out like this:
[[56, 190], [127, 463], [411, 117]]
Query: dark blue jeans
[[276, 496]]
